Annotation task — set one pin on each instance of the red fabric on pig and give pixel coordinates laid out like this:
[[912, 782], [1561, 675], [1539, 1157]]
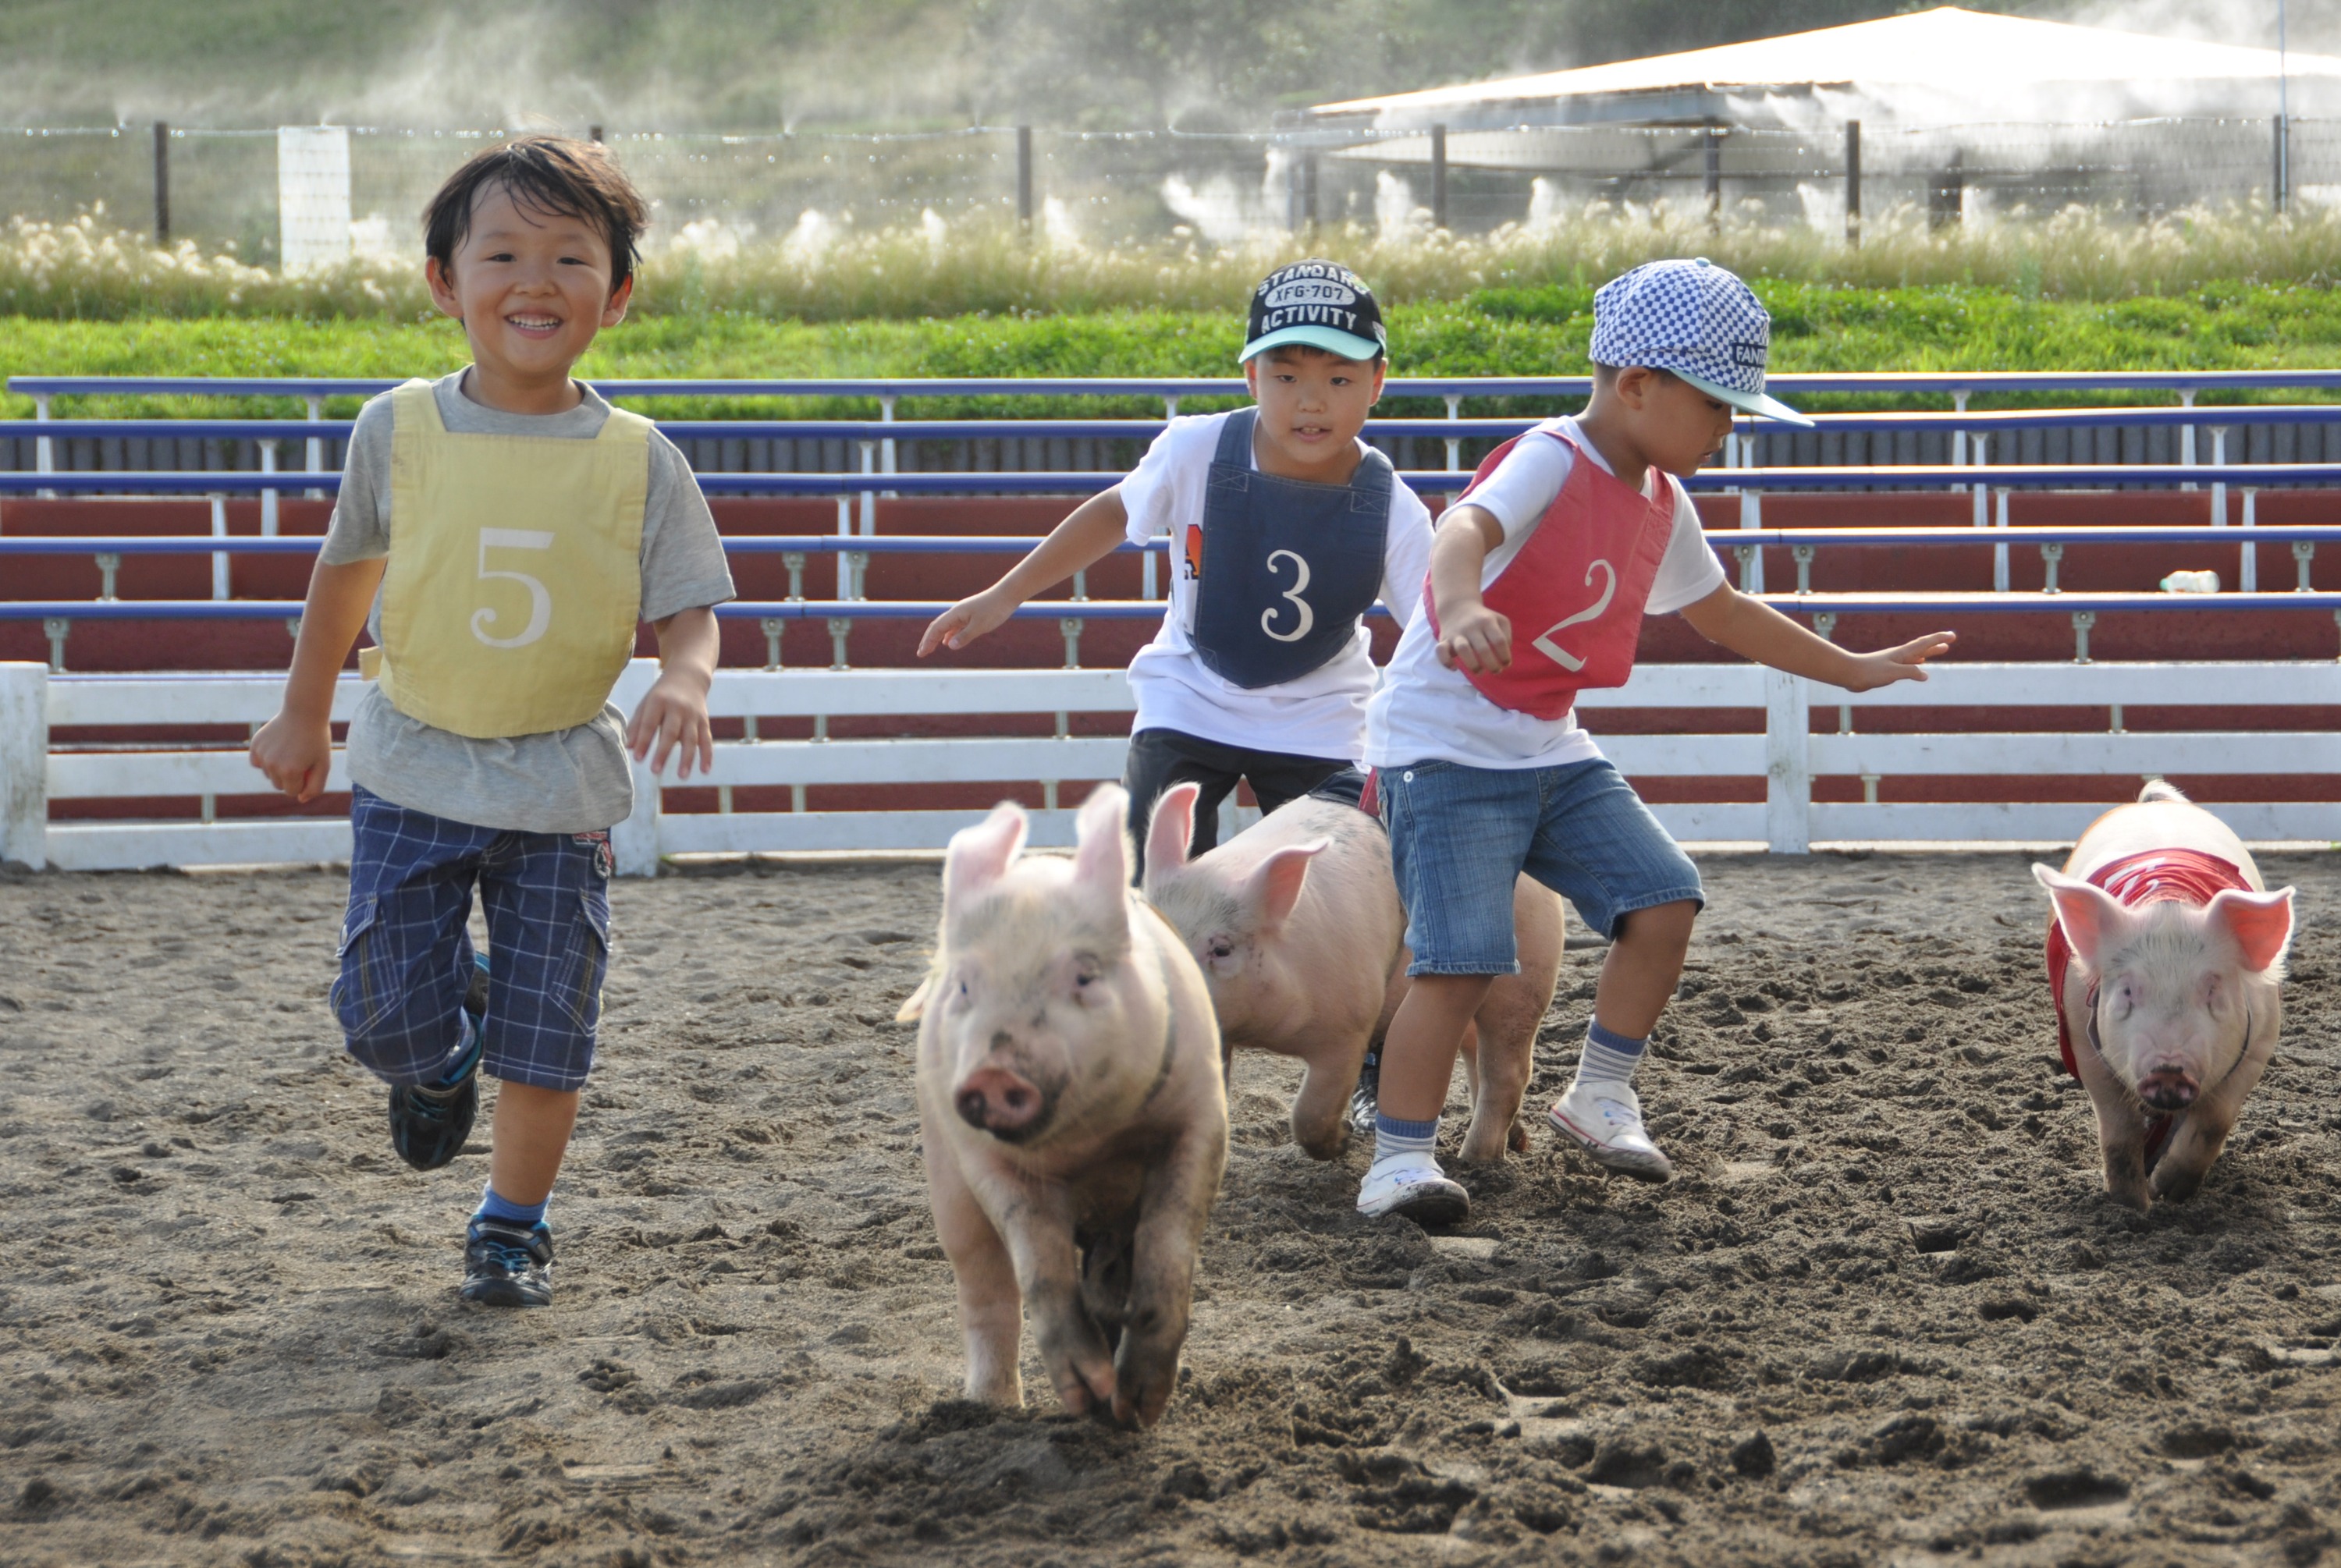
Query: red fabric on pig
[[2150, 877]]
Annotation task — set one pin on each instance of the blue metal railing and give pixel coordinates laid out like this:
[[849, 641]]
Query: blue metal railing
[[1928, 476]]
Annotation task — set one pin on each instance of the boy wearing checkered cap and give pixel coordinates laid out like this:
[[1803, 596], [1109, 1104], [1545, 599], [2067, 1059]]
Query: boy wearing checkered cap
[[1540, 577]]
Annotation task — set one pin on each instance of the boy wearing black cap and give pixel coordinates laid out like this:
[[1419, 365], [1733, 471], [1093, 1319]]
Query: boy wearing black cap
[[1286, 527]]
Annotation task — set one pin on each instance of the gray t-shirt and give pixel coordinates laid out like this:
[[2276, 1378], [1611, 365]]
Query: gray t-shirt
[[562, 781]]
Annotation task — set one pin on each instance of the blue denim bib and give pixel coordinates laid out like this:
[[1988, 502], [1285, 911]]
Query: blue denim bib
[[1288, 566]]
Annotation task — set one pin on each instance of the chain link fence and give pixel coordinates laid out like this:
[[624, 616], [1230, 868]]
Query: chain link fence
[[220, 187]]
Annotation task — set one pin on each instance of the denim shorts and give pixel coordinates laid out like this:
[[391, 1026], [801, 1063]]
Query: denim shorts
[[406, 953], [1461, 836]]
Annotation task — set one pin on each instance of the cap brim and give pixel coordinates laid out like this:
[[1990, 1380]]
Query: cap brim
[[1349, 345], [1754, 402]]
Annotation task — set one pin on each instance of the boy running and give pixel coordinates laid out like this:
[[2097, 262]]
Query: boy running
[[1286, 527], [500, 533], [1539, 578]]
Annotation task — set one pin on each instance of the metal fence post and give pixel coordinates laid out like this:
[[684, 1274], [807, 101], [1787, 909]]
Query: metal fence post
[[1853, 184], [1439, 176], [161, 183], [1788, 763], [2282, 181], [1024, 175], [2248, 568], [1714, 149], [219, 558], [24, 764], [267, 497]]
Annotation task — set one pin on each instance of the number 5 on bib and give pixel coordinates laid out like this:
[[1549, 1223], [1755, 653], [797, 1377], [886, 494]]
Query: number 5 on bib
[[540, 602]]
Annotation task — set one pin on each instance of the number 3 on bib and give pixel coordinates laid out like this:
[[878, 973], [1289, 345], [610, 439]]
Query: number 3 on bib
[[1544, 643], [1293, 596], [540, 602]]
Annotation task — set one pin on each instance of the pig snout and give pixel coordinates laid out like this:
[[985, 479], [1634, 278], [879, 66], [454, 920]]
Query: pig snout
[[2168, 1088], [999, 1101]]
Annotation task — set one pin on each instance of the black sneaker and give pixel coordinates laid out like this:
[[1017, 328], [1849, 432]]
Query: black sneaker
[[429, 1123], [507, 1264], [1365, 1100]]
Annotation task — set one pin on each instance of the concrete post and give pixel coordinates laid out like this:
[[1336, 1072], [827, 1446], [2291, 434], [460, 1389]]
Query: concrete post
[[24, 764]]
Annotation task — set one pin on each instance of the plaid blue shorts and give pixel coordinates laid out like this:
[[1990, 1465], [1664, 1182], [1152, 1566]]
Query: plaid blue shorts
[[406, 953]]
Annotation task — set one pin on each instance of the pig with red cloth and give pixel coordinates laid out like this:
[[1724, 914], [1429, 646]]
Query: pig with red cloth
[[2165, 960]]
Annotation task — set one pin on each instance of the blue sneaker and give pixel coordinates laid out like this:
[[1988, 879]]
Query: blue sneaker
[[507, 1264], [429, 1122]]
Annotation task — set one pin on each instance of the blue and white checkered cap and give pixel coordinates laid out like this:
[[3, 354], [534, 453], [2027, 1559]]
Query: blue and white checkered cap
[[1694, 319]]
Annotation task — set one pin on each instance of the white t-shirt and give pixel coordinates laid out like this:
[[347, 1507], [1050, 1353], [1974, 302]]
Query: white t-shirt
[[1321, 714], [1425, 711]]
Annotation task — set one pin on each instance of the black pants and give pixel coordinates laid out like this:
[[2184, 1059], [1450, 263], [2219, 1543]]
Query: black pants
[[1161, 758]]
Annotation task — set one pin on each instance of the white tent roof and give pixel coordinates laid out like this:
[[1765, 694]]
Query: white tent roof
[[1952, 52]]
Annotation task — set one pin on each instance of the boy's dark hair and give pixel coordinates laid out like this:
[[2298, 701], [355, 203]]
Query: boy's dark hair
[[555, 175]]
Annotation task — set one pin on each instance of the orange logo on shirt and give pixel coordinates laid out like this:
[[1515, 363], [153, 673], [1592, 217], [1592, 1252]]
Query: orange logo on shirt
[[1194, 552]]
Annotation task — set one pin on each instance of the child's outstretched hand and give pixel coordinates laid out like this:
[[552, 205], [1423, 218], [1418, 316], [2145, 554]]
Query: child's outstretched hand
[[1908, 662], [1476, 640], [674, 714], [965, 622], [296, 756]]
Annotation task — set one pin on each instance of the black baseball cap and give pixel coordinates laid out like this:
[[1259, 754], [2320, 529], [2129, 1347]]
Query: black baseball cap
[[1322, 304]]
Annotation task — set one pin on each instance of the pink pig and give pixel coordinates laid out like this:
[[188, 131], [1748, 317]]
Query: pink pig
[[2168, 1004], [1073, 1113], [1297, 924]]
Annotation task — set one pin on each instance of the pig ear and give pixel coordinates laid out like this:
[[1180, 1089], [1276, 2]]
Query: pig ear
[[1275, 886], [916, 1005], [1101, 832], [2261, 923], [979, 855], [1170, 829], [2090, 916]]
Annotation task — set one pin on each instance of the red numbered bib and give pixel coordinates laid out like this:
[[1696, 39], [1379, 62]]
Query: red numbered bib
[[1576, 590]]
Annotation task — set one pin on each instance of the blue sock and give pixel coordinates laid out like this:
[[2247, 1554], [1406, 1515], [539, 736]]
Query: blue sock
[[1610, 1058], [492, 1206], [1392, 1137]]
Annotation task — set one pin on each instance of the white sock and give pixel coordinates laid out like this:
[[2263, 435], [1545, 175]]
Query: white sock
[[1609, 1058]]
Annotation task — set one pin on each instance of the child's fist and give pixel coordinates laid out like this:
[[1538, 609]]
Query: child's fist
[[1476, 640], [295, 756]]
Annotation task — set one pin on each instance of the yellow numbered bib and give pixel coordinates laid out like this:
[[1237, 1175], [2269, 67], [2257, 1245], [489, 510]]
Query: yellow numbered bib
[[510, 601]]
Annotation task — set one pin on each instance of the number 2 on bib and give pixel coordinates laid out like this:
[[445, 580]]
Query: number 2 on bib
[[1544, 643], [540, 602], [1293, 596]]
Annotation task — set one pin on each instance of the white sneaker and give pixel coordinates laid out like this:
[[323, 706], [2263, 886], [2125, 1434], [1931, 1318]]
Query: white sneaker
[[1413, 1185], [1606, 1120]]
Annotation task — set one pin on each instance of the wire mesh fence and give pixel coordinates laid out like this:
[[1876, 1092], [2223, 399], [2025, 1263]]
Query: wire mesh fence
[[221, 187]]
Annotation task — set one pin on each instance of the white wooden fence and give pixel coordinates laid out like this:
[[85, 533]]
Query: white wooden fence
[[33, 702]]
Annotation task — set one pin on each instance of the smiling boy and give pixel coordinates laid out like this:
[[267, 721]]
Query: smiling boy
[[501, 531], [1285, 527]]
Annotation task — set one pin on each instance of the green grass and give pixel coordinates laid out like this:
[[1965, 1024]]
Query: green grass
[[1494, 332]]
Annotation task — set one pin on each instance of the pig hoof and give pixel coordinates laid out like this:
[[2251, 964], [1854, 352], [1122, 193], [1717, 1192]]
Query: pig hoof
[[1518, 1139]]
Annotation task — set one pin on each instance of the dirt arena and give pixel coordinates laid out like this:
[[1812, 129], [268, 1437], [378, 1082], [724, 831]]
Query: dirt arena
[[1885, 1315]]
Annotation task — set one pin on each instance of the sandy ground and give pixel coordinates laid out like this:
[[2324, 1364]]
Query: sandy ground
[[1886, 1315]]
